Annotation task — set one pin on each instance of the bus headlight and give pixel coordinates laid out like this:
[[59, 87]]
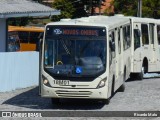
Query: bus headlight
[[45, 81], [102, 83]]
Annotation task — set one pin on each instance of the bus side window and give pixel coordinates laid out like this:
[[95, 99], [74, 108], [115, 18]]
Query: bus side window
[[158, 34], [112, 43], [151, 30], [126, 37], [119, 41], [136, 38], [145, 38]]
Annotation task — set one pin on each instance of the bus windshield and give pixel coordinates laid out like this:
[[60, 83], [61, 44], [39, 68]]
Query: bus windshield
[[82, 54]]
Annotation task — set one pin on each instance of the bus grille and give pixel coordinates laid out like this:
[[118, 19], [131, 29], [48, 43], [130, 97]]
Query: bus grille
[[73, 94]]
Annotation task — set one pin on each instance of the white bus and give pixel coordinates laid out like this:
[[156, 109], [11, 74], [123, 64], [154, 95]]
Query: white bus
[[145, 47], [86, 58]]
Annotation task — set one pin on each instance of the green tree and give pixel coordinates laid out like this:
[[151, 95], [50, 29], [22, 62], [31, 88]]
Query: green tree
[[75, 8], [66, 7], [126, 7], [109, 11], [150, 8]]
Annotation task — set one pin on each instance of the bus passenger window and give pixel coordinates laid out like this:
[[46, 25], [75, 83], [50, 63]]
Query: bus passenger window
[[136, 39], [126, 37], [158, 34], [151, 30], [112, 43], [119, 42], [145, 38]]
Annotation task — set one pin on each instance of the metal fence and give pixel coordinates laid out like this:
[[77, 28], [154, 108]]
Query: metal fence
[[18, 70]]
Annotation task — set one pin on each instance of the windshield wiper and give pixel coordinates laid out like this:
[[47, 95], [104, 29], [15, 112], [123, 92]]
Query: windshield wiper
[[65, 46]]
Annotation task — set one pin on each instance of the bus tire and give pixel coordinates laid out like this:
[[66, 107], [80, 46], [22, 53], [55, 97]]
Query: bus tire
[[55, 101], [144, 69], [133, 76], [122, 88]]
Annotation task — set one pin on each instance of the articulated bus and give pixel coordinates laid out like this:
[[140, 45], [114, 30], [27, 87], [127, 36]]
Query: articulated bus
[[22, 38], [87, 58], [145, 47]]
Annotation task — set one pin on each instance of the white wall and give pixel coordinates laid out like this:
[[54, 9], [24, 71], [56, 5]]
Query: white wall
[[18, 70], [3, 39]]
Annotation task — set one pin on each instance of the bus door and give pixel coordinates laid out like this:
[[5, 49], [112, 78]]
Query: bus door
[[117, 43], [154, 48], [112, 55], [148, 49], [119, 53]]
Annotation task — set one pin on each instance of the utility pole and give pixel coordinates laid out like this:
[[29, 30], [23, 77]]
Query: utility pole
[[139, 12]]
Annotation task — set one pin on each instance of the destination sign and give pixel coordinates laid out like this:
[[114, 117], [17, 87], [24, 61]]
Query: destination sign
[[76, 31], [81, 32]]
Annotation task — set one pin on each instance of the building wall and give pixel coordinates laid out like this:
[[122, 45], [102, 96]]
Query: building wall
[[3, 33], [18, 70]]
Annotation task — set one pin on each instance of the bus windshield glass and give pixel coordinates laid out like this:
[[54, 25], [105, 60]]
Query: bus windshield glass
[[75, 51]]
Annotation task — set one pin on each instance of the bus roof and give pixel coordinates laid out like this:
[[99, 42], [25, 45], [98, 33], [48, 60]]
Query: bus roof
[[94, 21], [108, 21], [143, 20], [27, 29]]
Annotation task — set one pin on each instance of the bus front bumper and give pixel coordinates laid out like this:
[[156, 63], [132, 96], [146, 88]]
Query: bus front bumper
[[99, 93]]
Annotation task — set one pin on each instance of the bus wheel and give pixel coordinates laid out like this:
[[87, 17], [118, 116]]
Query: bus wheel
[[133, 76], [55, 101], [122, 88]]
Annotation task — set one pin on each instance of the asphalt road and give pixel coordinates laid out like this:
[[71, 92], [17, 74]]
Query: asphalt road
[[138, 96]]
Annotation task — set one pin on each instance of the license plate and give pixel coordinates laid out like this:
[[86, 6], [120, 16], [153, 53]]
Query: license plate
[[61, 82]]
